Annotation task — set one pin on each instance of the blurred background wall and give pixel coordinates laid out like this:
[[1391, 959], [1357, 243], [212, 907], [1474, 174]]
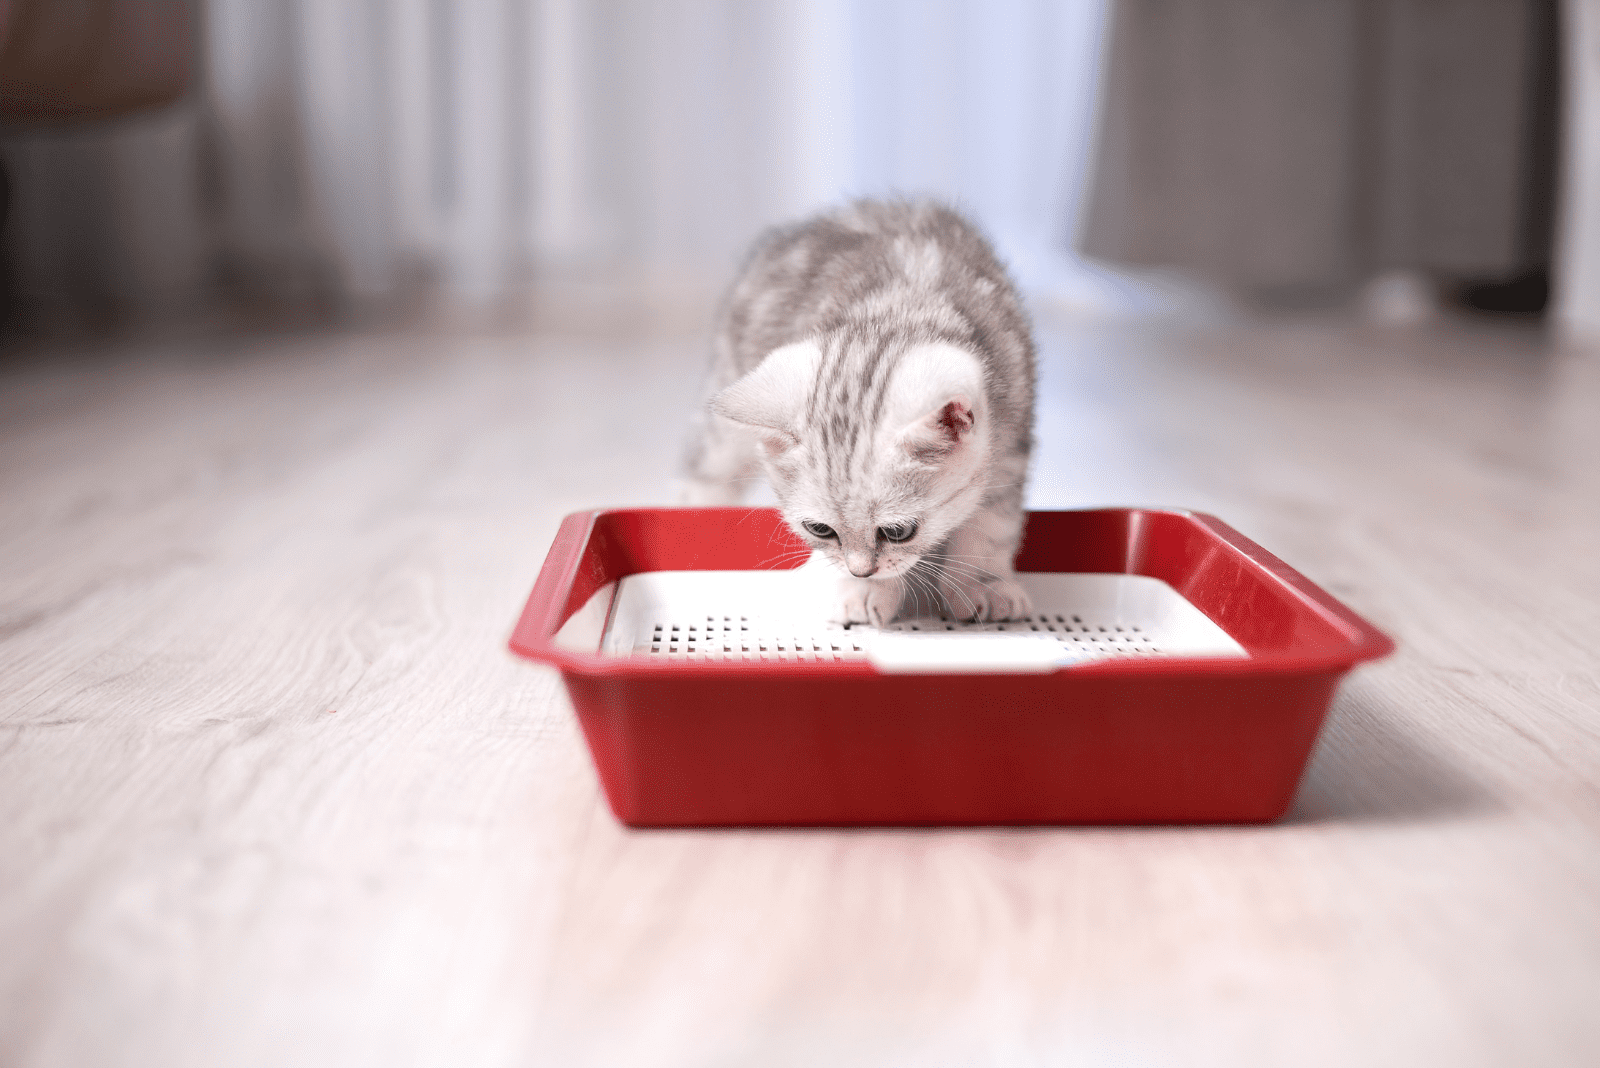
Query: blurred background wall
[[366, 148], [363, 152]]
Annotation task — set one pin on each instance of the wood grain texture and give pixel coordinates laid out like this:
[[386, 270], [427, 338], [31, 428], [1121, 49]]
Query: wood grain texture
[[275, 793]]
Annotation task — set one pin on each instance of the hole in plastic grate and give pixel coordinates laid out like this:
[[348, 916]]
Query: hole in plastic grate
[[831, 647], [776, 618], [722, 643]]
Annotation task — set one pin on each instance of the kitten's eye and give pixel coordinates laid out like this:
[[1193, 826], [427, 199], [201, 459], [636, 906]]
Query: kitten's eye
[[818, 530], [899, 532]]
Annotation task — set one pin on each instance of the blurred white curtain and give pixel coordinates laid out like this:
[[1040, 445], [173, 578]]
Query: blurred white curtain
[[358, 146]]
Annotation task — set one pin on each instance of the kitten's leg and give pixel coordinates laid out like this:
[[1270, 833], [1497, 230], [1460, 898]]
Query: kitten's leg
[[874, 601], [975, 575], [721, 461]]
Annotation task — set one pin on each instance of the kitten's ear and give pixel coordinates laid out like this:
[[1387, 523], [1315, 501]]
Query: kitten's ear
[[937, 393], [769, 398], [936, 435]]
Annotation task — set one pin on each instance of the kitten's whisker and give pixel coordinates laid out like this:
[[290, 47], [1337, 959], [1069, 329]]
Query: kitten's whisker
[[773, 563], [924, 587], [968, 569], [962, 558], [961, 561], [972, 606], [932, 600]]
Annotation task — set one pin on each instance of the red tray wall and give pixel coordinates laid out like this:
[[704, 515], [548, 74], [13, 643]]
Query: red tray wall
[[1160, 740]]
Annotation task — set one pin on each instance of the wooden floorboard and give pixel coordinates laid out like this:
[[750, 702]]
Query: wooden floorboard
[[272, 791]]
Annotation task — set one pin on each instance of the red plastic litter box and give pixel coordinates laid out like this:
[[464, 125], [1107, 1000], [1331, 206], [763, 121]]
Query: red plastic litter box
[[709, 723]]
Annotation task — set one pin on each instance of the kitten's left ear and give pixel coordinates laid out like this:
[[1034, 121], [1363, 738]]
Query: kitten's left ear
[[937, 434], [769, 398], [937, 394]]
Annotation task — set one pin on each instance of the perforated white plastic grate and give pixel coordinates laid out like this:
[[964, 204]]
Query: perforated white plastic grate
[[782, 616]]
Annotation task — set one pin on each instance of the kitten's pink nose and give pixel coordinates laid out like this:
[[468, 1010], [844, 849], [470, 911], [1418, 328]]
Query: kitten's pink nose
[[861, 565]]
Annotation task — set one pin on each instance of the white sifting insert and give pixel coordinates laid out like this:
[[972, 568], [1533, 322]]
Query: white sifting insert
[[782, 616]]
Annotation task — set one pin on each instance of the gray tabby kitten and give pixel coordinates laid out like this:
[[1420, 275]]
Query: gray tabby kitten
[[877, 362]]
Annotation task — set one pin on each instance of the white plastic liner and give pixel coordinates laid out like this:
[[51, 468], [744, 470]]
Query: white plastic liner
[[782, 616]]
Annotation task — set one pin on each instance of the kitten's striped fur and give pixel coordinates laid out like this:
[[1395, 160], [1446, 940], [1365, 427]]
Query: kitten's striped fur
[[877, 362]]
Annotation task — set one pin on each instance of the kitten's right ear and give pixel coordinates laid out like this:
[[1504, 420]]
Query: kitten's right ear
[[769, 398]]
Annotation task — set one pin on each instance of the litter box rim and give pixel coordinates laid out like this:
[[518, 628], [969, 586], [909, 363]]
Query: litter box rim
[[592, 548]]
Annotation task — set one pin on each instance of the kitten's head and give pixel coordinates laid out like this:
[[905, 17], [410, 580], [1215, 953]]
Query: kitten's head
[[874, 461]]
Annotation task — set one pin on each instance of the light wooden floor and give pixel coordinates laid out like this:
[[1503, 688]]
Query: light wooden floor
[[272, 792]]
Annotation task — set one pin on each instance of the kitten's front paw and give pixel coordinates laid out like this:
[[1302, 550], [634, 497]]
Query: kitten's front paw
[[970, 597], [866, 601]]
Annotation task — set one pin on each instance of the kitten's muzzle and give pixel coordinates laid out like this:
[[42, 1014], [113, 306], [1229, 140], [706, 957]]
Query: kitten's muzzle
[[861, 565]]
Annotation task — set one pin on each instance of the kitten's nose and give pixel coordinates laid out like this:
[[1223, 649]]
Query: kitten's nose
[[861, 565]]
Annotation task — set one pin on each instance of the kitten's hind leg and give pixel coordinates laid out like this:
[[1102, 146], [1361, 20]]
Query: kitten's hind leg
[[975, 575], [721, 461]]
